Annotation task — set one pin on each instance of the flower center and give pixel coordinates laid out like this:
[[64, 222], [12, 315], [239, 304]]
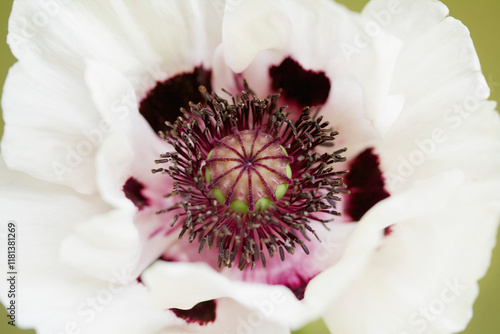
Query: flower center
[[248, 170], [245, 154]]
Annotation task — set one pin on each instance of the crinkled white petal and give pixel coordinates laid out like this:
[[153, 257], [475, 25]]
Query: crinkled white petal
[[117, 104], [45, 214], [444, 146], [375, 76], [426, 197], [406, 19], [310, 31], [71, 32], [129, 147], [417, 92], [232, 317], [250, 27], [190, 283], [58, 126], [46, 286], [345, 111], [146, 40], [46, 135], [321, 36], [423, 277], [183, 33], [444, 90], [104, 244]]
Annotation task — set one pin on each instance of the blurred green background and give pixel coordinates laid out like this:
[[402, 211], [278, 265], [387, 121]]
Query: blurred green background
[[483, 19]]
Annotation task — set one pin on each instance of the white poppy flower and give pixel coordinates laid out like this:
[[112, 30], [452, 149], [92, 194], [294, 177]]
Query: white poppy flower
[[246, 224]]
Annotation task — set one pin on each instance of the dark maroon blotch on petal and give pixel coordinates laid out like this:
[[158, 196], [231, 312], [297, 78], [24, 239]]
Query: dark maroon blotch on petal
[[366, 184], [133, 191], [296, 282], [163, 102], [305, 87], [202, 313], [299, 289], [168, 258]]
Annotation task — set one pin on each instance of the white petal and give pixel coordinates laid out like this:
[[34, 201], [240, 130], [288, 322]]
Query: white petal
[[127, 312], [375, 76], [190, 283], [130, 145], [406, 19], [390, 112], [148, 41], [345, 111], [321, 36], [312, 32], [439, 143], [372, 52], [250, 27], [103, 245], [46, 135], [116, 101], [232, 317], [130, 151], [430, 286], [121, 237], [428, 196], [45, 285], [444, 115], [54, 41], [436, 68], [72, 32], [183, 33]]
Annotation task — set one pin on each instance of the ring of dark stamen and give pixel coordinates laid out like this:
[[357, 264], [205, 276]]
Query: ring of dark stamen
[[245, 238]]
